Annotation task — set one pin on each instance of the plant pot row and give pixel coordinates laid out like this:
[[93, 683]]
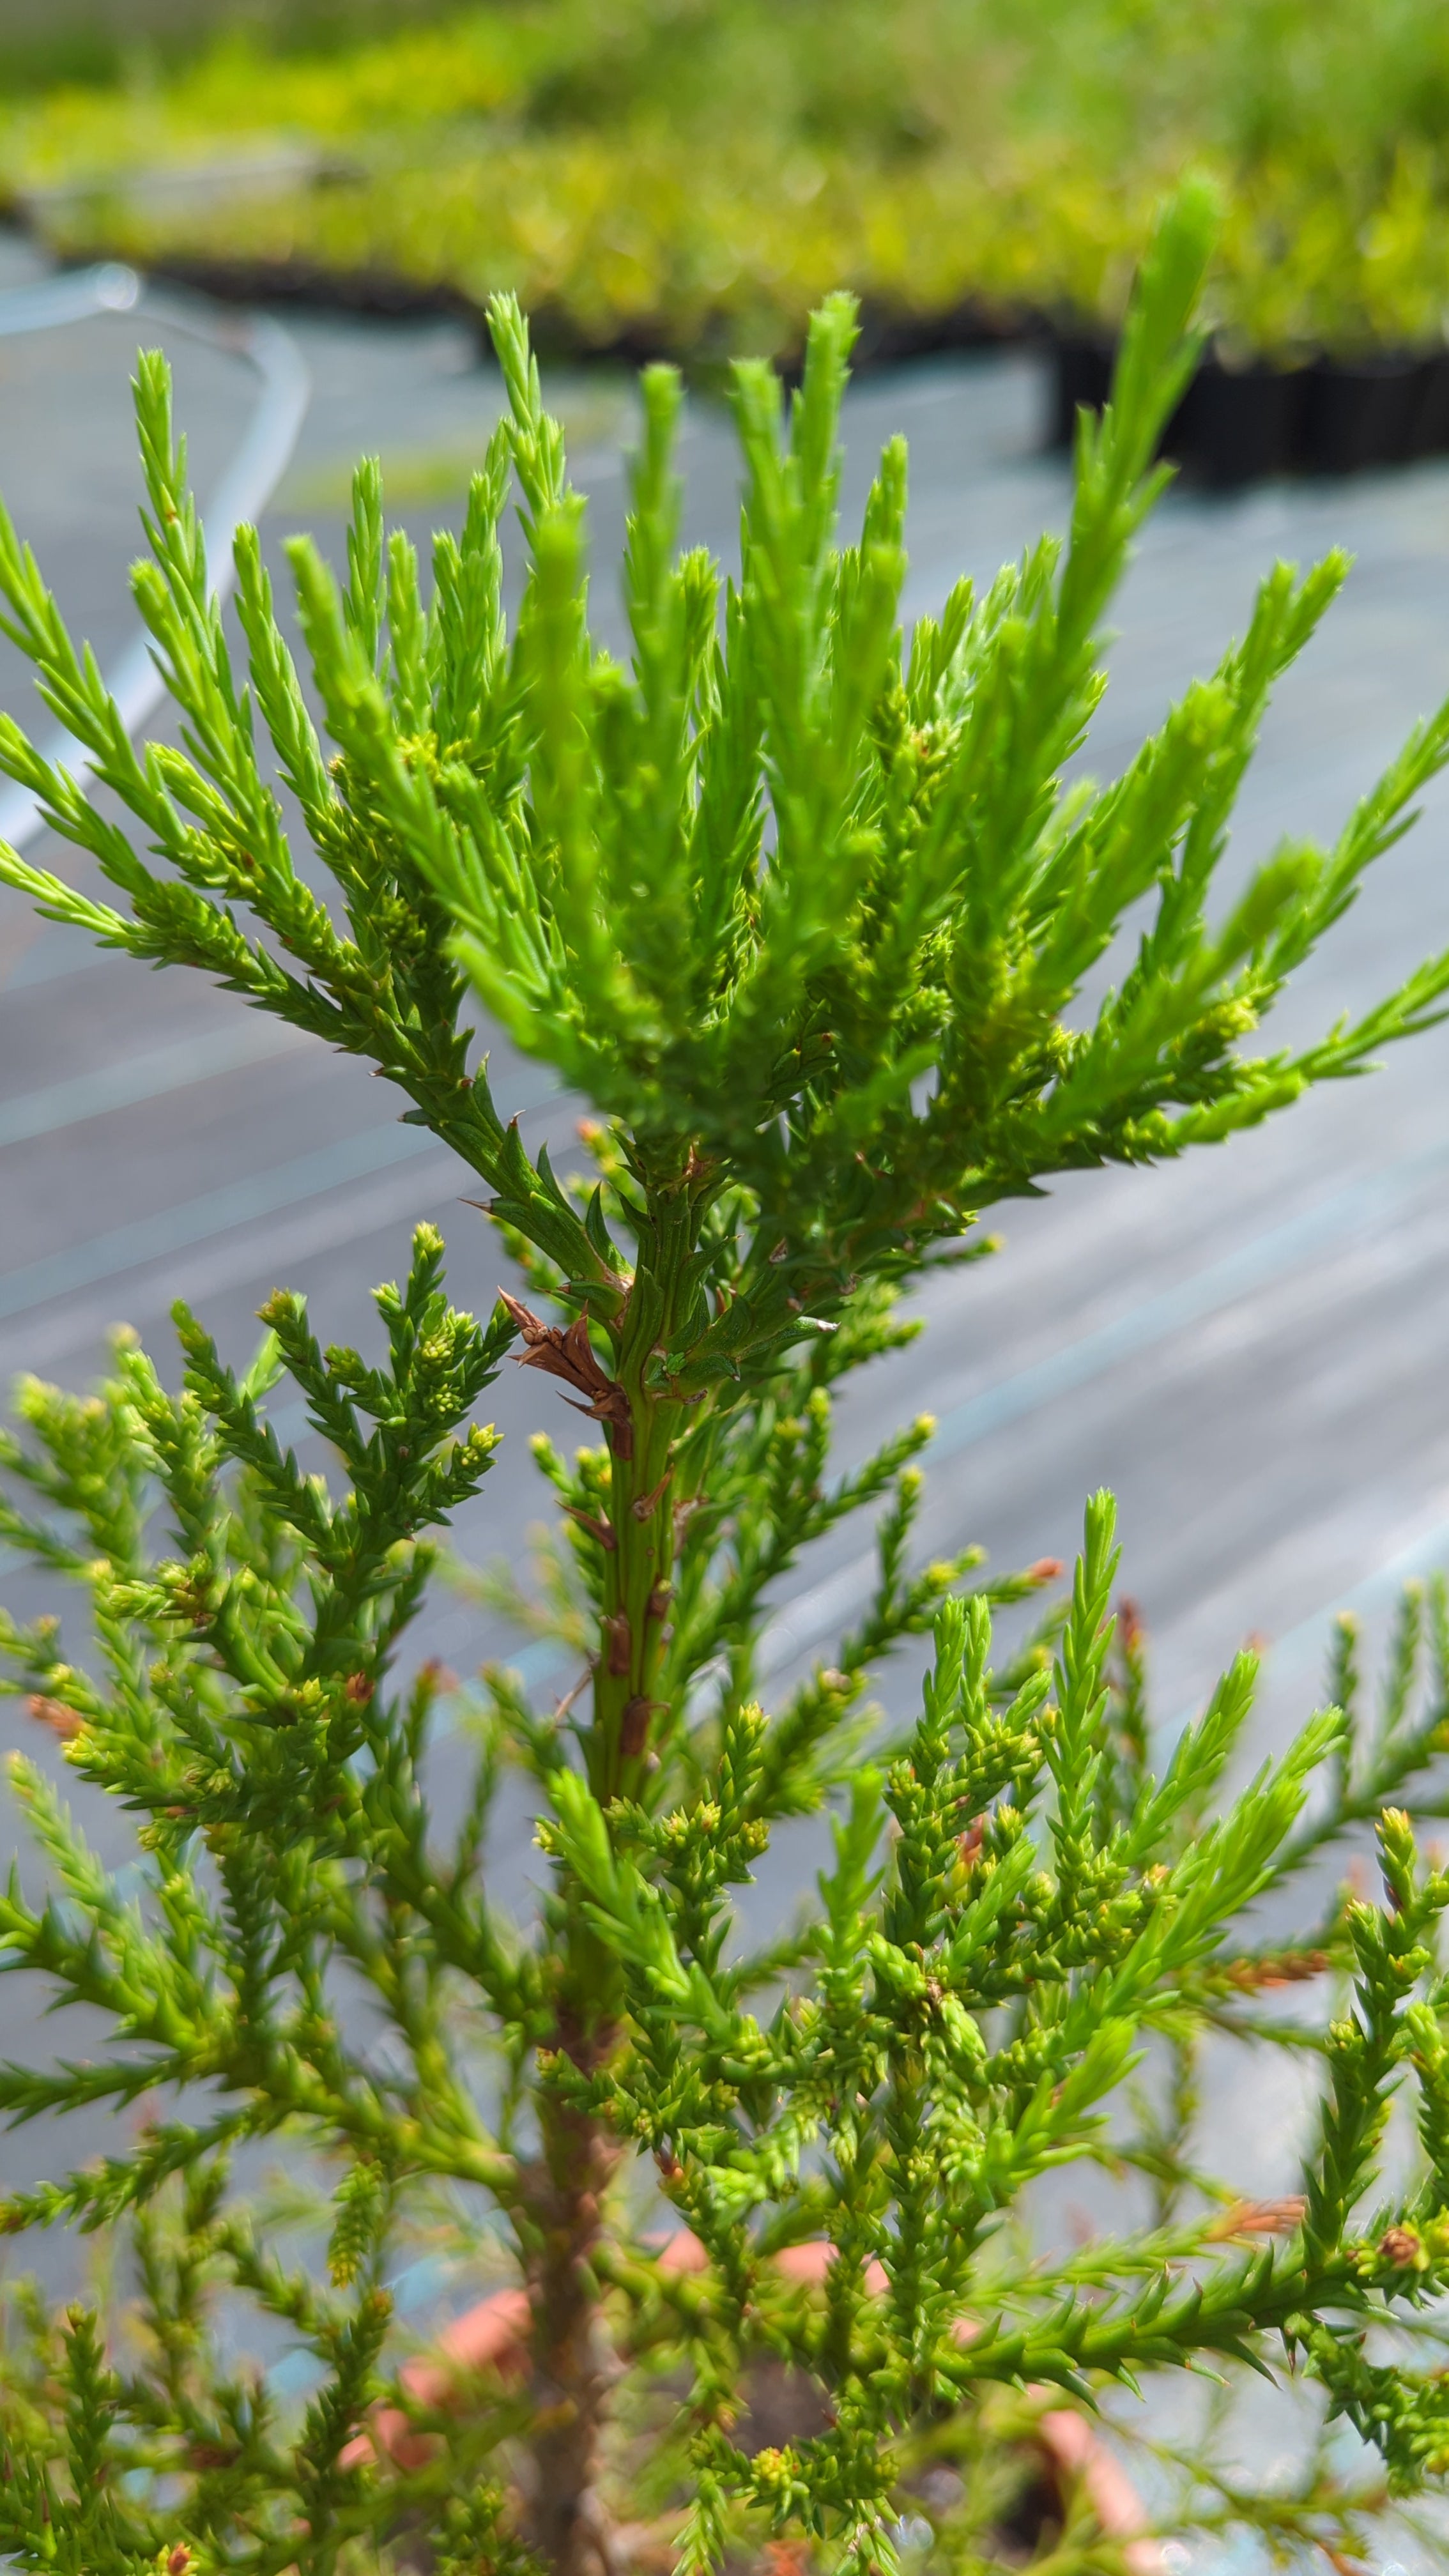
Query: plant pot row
[[1235, 424], [1239, 424]]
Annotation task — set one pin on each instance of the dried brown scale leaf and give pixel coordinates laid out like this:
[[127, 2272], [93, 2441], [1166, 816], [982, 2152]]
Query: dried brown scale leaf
[[602, 1531], [1257, 2218], [54, 1713], [566, 1352], [1278, 1968]]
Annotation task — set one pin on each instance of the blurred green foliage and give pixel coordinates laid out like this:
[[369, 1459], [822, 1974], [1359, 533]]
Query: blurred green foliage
[[692, 175]]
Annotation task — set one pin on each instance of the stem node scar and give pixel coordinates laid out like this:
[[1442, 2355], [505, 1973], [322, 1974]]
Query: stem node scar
[[634, 1726]]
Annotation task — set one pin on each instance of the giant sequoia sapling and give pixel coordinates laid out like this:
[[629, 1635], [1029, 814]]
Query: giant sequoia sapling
[[804, 914]]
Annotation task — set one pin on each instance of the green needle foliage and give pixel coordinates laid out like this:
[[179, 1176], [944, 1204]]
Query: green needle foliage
[[807, 916]]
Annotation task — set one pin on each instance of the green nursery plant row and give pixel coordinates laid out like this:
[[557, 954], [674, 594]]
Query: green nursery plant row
[[691, 176], [804, 908]]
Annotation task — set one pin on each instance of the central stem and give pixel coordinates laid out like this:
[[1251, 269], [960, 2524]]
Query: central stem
[[639, 1563], [571, 2373]]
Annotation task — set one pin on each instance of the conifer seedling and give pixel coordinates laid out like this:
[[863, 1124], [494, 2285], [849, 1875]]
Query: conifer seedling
[[805, 914]]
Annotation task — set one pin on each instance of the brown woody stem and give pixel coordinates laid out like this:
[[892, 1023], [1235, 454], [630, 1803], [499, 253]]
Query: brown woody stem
[[571, 2372]]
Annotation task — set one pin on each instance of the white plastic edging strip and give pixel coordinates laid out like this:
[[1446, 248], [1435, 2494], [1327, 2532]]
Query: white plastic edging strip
[[245, 488], [72, 296]]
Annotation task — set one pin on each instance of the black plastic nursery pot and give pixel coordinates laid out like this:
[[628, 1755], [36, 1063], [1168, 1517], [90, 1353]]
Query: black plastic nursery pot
[[1237, 425], [1081, 380], [1234, 425], [1431, 427], [1361, 412], [1241, 424]]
